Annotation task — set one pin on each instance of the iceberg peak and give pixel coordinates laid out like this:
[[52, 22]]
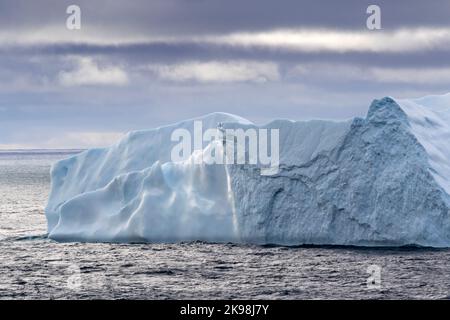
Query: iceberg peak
[[379, 181], [386, 109]]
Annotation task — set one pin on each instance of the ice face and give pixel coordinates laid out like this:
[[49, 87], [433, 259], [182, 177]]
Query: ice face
[[429, 118], [96, 168], [382, 180]]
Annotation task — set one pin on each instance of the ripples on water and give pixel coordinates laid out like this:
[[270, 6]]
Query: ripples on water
[[31, 266]]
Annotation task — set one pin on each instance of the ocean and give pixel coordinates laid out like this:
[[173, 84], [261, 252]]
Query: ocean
[[34, 267]]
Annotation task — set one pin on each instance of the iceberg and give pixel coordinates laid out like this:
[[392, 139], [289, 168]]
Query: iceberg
[[382, 180]]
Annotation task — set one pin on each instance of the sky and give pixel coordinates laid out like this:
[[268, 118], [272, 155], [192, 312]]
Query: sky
[[141, 64]]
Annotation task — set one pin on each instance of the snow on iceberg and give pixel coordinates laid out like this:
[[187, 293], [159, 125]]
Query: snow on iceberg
[[378, 181]]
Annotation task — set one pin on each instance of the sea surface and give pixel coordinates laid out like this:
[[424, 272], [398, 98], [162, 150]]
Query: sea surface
[[34, 267]]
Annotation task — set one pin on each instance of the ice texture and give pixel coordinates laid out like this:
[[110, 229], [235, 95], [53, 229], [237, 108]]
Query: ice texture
[[382, 180]]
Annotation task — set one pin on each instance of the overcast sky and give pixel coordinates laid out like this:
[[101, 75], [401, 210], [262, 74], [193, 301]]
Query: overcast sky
[[140, 64]]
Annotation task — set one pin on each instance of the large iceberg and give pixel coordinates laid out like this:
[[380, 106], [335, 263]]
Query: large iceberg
[[379, 181]]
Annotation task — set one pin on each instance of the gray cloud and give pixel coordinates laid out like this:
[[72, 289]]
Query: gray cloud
[[200, 16], [154, 62]]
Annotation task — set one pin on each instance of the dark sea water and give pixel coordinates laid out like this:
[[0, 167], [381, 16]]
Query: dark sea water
[[34, 267]]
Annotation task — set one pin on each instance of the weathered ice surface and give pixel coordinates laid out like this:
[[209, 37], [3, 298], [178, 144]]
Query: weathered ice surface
[[378, 181]]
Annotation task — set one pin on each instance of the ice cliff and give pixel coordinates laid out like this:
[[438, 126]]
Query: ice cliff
[[379, 181]]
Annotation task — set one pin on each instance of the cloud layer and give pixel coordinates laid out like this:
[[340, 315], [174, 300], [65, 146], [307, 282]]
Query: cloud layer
[[213, 71], [87, 72], [146, 63]]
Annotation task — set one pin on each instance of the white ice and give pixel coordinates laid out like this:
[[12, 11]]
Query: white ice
[[382, 180]]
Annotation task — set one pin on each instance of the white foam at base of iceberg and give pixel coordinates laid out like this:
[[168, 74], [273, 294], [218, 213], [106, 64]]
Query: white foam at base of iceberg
[[382, 180]]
